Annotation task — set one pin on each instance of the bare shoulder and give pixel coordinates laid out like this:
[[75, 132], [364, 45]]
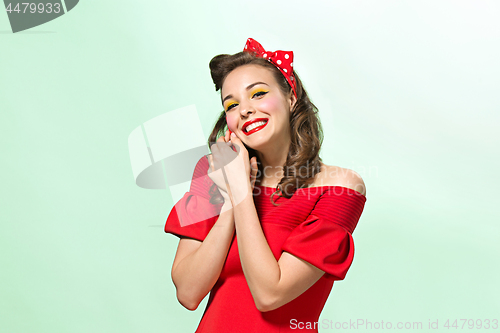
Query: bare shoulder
[[332, 175]]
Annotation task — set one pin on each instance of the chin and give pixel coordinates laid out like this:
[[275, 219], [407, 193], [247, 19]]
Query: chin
[[259, 143], [258, 147]]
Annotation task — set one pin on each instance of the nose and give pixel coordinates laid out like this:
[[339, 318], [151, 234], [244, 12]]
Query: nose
[[246, 109]]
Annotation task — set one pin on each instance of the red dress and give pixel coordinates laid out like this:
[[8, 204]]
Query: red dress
[[315, 224]]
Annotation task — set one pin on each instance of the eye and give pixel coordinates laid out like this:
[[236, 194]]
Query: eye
[[260, 93], [231, 106]]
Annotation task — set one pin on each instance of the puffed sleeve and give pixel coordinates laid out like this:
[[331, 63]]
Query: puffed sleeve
[[325, 239], [193, 215]]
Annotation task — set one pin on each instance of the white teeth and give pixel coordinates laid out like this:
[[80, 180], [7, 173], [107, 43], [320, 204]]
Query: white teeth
[[254, 125]]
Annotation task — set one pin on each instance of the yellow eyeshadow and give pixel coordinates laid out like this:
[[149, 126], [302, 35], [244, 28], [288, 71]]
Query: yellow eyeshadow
[[229, 104], [258, 90]]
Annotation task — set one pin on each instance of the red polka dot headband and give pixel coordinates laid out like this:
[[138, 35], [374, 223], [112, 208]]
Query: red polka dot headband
[[283, 60]]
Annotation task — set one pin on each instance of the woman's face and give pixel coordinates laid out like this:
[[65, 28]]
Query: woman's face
[[250, 92]]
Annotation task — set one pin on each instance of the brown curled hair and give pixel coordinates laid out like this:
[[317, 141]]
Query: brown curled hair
[[306, 132]]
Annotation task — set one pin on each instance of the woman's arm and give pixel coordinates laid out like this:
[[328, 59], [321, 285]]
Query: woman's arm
[[197, 265], [272, 283]]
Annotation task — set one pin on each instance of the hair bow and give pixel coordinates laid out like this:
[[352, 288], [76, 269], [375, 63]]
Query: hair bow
[[283, 60]]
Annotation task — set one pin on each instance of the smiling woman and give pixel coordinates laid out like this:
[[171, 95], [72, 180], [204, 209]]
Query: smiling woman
[[274, 242], [258, 86]]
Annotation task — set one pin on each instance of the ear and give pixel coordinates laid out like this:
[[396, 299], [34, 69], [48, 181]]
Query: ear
[[292, 100]]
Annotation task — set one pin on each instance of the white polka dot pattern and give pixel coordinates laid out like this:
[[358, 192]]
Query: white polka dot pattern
[[283, 60]]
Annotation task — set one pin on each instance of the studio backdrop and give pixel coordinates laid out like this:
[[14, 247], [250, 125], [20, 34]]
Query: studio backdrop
[[104, 104]]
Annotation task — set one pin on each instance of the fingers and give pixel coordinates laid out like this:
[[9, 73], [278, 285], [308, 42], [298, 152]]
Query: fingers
[[237, 143], [255, 166], [210, 162], [226, 137], [253, 170], [254, 163], [209, 157]]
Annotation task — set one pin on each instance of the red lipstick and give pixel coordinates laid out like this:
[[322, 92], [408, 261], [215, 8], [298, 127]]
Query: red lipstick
[[255, 129]]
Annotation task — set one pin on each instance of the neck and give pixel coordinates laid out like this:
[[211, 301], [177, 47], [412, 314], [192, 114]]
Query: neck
[[272, 160]]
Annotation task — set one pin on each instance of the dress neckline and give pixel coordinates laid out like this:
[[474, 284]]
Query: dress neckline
[[317, 187]]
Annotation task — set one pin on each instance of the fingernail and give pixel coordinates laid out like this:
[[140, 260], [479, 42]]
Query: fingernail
[[233, 135]]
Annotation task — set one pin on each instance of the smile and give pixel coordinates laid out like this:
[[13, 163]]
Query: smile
[[255, 127]]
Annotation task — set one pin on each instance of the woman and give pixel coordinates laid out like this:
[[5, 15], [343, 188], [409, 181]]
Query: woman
[[266, 227]]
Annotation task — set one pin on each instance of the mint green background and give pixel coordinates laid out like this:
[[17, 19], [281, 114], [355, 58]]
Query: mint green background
[[408, 96]]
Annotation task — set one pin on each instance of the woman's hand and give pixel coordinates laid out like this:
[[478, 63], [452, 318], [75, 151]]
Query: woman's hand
[[239, 170], [230, 168], [216, 170], [218, 178]]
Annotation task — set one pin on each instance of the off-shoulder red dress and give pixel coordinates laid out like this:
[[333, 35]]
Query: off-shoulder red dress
[[315, 224]]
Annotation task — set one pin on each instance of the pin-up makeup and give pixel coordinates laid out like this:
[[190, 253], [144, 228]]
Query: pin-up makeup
[[230, 132], [228, 126]]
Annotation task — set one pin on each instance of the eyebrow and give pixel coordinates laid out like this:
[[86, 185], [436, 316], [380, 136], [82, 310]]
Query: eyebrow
[[248, 88]]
